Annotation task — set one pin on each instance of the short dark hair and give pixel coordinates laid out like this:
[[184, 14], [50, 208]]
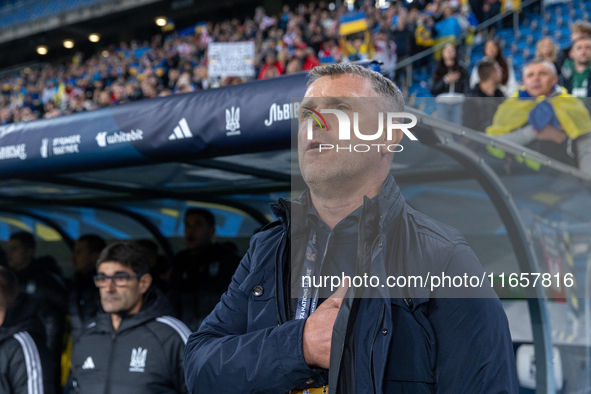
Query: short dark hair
[[130, 254], [8, 285], [94, 243], [204, 213], [25, 238], [380, 85], [485, 69]]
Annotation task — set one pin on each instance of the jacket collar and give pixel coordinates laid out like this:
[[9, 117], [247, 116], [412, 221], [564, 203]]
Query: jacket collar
[[389, 203], [155, 304]]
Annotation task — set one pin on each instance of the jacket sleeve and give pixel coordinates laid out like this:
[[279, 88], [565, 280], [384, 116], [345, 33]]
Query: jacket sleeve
[[474, 347], [34, 373], [223, 357]]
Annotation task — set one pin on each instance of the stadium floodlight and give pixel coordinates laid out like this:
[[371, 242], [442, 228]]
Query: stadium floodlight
[[42, 50], [68, 44], [94, 37], [161, 21]]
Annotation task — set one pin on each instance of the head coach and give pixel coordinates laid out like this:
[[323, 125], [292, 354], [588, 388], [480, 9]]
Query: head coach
[[263, 338]]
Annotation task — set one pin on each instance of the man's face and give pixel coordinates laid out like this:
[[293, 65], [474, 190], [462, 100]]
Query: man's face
[[581, 51], [18, 256], [539, 80], [350, 94], [82, 258], [197, 232], [127, 298]]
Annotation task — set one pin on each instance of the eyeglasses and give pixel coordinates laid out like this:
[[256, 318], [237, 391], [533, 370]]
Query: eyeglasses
[[120, 279]]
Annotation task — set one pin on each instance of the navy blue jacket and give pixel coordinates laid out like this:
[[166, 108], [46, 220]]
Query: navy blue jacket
[[416, 342]]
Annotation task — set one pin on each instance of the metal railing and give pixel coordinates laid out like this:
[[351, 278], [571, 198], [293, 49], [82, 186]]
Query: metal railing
[[483, 27]]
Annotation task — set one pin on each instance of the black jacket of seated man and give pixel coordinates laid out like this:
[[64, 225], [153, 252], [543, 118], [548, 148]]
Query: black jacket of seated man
[[134, 346], [41, 279], [25, 363], [199, 278], [143, 356]]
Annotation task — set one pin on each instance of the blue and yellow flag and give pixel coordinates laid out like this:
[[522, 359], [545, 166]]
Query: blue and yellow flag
[[352, 23]]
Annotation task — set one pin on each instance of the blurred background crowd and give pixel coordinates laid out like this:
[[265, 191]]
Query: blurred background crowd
[[295, 40]]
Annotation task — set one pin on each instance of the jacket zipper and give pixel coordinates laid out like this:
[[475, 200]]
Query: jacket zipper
[[278, 260], [375, 335], [359, 255], [111, 353]]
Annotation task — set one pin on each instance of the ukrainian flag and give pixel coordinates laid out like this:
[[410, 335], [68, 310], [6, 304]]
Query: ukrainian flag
[[352, 23]]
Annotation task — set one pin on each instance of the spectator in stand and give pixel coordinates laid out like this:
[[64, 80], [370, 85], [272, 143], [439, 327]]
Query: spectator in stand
[[577, 30], [25, 364], [576, 75], [271, 62], [546, 49], [483, 99], [307, 59], [450, 85], [448, 28], [493, 51], [41, 280], [294, 66], [403, 36], [385, 52], [490, 9], [358, 46], [558, 127]]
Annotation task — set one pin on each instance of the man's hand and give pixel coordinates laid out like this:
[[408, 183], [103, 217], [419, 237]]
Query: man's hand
[[550, 133], [318, 330]]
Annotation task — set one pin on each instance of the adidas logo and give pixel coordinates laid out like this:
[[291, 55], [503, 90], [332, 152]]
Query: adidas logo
[[181, 131], [88, 364]]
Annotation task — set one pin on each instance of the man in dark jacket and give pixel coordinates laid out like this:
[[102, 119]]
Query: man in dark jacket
[[483, 100], [40, 279], [266, 332], [83, 298], [25, 364], [202, 272], [134, 347]]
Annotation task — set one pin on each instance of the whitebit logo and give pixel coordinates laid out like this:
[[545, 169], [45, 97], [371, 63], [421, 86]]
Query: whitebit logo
[[103, 139], [88, 363], [138, 360], [44, 147], [181, 131], [233, 121]]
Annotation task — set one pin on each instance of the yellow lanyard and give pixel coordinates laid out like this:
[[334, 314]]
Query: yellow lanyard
[[319, 390]]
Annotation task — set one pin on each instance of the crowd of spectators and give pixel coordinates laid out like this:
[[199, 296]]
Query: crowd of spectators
[[297, 39]]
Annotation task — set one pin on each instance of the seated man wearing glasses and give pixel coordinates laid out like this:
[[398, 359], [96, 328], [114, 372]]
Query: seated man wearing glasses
[[133, 347]]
